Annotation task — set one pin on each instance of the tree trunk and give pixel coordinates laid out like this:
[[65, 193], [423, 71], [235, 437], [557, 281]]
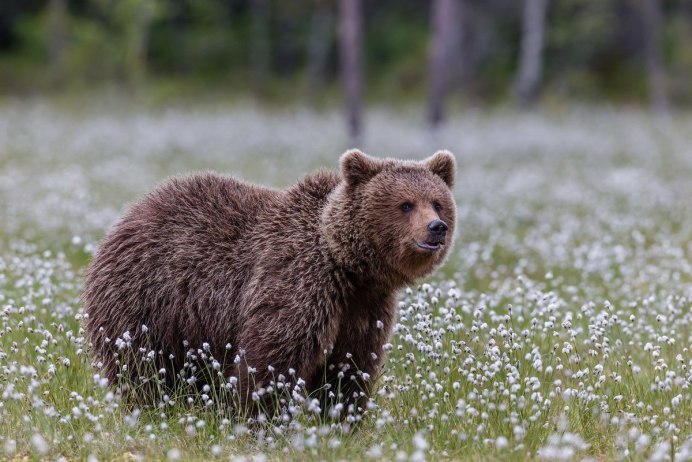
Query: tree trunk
[[259, 44], [443, 19], [57, 39], [351, 65], [653, 55], [179, 26], [284, 23], [466, 44], [319, 44], [528, 79], [141, 16]]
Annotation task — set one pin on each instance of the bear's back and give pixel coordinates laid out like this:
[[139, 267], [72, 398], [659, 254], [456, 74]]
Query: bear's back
[[207, 203], [176, 262]]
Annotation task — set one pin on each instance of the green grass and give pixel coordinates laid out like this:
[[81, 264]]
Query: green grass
[[560, 325]]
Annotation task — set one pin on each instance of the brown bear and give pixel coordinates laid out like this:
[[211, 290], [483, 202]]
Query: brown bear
[[299, 282]]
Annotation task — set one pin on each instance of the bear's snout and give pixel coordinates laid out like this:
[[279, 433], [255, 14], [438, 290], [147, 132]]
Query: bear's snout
[[437, 232], [438, 228]]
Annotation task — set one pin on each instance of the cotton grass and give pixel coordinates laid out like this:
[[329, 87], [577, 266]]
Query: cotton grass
[[560, 329]]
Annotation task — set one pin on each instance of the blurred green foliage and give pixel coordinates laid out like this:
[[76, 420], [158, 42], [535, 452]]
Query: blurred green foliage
[[593, 48]]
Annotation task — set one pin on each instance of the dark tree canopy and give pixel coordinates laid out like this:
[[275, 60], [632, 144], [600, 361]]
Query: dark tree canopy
[[633, 51]]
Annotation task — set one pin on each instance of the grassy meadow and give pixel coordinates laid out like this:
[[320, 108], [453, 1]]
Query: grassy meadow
[[559, 329]]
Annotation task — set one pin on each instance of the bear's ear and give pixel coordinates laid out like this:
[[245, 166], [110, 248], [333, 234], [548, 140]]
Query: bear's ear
[[442, 164], [358, 168]]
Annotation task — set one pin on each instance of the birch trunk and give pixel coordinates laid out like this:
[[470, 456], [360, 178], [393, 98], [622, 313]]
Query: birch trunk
[[57, 39], [653, 55], [319, 44], [259, 44], [528, 79], [444, 15], [351, 66]]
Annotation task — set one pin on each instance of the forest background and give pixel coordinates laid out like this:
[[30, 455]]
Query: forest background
[[458, 53]]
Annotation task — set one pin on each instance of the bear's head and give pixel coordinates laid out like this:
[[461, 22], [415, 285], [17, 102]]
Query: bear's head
[[391, 219]]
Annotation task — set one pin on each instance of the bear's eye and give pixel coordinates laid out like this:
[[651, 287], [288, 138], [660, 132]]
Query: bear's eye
[[437, 206], [406, 207]]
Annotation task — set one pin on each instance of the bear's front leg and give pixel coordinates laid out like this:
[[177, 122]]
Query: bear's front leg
[[278, 350], [352, 369]]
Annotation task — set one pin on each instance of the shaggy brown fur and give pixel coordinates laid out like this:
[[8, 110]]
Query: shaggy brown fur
[[295, 278]]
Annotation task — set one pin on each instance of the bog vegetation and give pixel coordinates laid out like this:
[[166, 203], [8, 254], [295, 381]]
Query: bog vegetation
[[559, 329]]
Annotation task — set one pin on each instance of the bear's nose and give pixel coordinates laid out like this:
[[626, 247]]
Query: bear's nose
[[437, 227]]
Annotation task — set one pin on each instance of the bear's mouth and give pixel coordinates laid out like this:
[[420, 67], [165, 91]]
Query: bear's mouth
[[430, 246]]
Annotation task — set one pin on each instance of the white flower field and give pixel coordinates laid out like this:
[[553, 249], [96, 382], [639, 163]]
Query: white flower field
[[559, 329]]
